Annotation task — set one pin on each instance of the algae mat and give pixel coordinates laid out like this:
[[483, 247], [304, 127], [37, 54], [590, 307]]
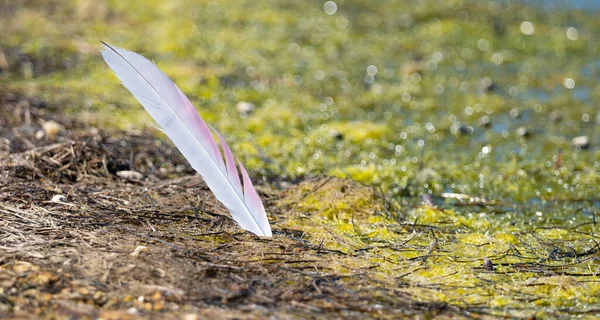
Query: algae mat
[[423, 158]]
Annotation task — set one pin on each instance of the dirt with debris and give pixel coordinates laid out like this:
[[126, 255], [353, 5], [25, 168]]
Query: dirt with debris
[[97, 225]]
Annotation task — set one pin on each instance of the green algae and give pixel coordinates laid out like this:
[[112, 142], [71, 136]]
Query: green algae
[[440, 256], [373, 93]]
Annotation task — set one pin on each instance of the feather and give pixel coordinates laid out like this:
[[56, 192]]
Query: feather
[[179, 120]]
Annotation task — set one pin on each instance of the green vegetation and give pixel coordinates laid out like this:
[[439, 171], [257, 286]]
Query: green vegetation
[[392, 94]]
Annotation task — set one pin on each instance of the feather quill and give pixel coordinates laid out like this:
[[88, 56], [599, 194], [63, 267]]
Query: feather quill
[[179, 120]]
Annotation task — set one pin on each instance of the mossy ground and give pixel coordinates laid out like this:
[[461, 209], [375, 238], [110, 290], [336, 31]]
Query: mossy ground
[[454, 119]]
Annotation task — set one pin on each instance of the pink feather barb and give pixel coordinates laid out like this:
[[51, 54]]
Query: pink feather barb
[[179, 120]]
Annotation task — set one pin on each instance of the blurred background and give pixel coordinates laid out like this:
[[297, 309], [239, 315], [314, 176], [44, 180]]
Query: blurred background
[[496, 99]]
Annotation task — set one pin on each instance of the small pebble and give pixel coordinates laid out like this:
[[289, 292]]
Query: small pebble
[[555, 116], [459, 128], [138, 250], [488, 265], [337, 135], [52, 129], [130, 175], [99, 297], [83, 291], [485, 121], [514, 113], [159, 273], [245, 108], [190, 316], [40, 134], [524, 131], [58, 198], [582, 142], [487, 84]]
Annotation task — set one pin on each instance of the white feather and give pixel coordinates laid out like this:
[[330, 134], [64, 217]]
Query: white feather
[[180, 121]]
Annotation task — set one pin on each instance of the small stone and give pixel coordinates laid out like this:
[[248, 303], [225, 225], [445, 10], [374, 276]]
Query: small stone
[[514, 113], [52, 129], [524, 132], [459, 128], [156, 296], [130, 175], [488, 265], [21, 267], [132, 310], [83, 291], [99, 298], [31, 294], [44, 278], [159, 273], [58, 198], [40, 134], [485, 121], [138, 250], [245, 108], [190, 316], [487, 84], [555, 116], [582, 142], [337, 135]]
